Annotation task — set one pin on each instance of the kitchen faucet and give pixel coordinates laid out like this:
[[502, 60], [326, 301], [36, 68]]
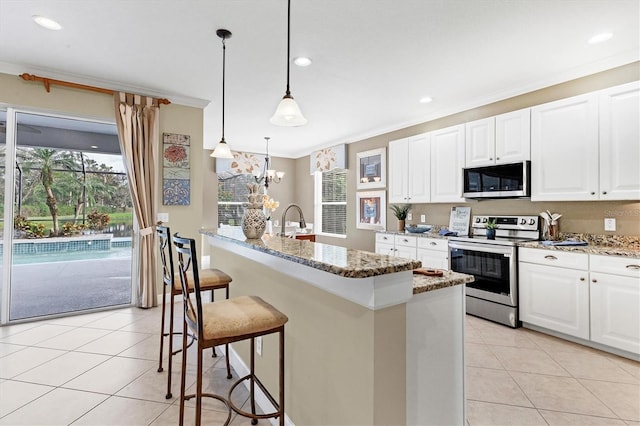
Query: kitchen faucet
[[303, 224]]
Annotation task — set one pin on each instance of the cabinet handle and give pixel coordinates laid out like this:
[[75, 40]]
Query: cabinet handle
[[593, 193], [405, 240], [433, 244], [385, 238], [581, 278], [490, 159], [551, 257], [594, 281], [604, 192], [497, 158], [632, 266]]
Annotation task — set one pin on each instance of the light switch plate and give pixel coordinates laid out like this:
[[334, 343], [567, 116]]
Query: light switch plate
[[409, 216], [163, 217], [423, 218], [609, 224]]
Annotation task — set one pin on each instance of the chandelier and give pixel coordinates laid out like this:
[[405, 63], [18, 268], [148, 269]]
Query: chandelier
[[268, 175]]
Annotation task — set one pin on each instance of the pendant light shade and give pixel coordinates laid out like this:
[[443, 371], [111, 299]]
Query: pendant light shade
[[222, 150], [288, 112]]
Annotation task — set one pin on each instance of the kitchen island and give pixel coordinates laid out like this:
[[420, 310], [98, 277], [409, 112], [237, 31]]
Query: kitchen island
[[366, 342]]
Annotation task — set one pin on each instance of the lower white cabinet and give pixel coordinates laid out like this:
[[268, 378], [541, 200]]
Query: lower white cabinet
[[615, 302], [554, 291], [432, 252], [593, 297]]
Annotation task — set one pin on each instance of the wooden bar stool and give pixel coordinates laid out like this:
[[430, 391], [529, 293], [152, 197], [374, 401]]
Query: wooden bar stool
[[210, 279], [223, 322]]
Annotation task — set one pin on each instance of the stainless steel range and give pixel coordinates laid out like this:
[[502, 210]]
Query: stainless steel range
[[494, 263]]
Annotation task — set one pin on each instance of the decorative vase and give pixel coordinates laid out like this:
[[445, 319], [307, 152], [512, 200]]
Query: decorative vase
[[401, 225], [491, 234], [253, 222]]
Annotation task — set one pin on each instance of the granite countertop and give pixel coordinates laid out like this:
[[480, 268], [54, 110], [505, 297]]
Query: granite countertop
[[423, 283], [429, 234], [609, 245], [341, 261]]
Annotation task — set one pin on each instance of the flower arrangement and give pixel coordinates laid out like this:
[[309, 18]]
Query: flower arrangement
[[270, 205]]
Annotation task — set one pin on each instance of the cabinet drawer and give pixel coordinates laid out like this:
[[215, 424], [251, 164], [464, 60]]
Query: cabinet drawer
[[433, 244], [618, 265], [384, 238], [405, 241], [554, 258]]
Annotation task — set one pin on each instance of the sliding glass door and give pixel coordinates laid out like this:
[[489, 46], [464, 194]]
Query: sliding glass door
[[71, 218]]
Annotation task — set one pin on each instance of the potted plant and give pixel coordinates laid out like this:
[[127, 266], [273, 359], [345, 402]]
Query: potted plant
[[491, 229], [400, 211]]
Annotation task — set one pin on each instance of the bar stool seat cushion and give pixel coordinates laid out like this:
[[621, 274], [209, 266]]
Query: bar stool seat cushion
[[243, 315], [209, 279]]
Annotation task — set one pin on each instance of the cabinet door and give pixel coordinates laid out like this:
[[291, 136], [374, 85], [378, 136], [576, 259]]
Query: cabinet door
[[406, 252], [620, 142], [615, 311], [564, 149], [433, 259], [398, 170], [447, 162], [418, 172], [513, 136], [555, 298], [480, 142], [382, 248]]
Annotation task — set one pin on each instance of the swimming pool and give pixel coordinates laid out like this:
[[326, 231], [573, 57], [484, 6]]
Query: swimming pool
[[29, 259]]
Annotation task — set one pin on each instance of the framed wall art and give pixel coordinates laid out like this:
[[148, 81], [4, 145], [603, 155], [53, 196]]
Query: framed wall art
[[372, 169], [176, 186], [371, 210]]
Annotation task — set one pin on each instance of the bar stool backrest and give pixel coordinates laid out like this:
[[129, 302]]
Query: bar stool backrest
[[188, 260], [166, 255]]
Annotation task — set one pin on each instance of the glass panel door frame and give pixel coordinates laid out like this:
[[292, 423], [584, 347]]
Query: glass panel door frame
[[9, 209]]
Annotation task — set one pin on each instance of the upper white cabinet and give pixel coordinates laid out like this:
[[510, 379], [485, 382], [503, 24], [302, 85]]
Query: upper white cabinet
[[587, 147], [447, 162], [620, 142], [409, 177], [564, 149], [502, 139]]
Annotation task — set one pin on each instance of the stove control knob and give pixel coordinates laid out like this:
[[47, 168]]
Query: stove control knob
[[484, 220], [523, 221], [477, 220], [532, 222]]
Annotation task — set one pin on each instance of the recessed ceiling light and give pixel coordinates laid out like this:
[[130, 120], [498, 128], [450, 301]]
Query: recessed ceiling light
[[47, 23], [425, 100], [599, 38], [302, 61]]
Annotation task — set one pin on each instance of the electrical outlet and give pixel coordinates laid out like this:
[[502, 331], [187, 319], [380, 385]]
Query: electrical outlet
[[409, 216], [163, 217], [609, 224], [259, 345], [423, 218]]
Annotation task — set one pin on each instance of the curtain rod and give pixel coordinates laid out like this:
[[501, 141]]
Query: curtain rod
[[49, 81]]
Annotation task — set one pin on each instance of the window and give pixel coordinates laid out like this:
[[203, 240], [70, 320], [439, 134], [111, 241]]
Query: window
[[232, 193], [331, 202]]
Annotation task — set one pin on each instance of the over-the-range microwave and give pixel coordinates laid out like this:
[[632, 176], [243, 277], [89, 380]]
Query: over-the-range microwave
[[498, 181]]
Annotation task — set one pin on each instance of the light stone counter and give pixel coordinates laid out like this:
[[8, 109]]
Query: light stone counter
[[423, 284]]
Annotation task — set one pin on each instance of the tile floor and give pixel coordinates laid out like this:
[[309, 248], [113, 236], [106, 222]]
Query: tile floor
[[100, 369]]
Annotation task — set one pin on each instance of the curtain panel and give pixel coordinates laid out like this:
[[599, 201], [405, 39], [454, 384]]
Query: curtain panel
[[138, 132], [327, 159]]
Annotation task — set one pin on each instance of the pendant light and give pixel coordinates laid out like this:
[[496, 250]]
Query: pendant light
[[222, 149], [288, 113]]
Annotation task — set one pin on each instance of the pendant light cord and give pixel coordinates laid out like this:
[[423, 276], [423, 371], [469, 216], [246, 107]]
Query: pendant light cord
[[288, 93], [224, 55]]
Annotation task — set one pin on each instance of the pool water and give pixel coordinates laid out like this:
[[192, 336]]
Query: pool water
[[29, 259]]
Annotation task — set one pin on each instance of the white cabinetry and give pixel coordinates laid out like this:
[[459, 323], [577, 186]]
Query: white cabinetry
[[447, 162], [398, 245], [615, 302], [409, 177], [433, 253], [502, 139], [587, 147], [564, 149], [620, 142], [554, 290]]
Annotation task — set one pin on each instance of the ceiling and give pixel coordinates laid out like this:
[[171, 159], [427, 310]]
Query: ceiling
[[372, 59]]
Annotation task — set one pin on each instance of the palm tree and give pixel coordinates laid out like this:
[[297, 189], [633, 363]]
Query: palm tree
[[47, 161]]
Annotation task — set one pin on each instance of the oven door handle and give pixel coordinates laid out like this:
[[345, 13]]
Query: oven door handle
[[483, 248]]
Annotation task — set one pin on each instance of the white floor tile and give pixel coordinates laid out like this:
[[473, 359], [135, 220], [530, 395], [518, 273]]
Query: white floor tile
[[26, 359], [14, 395], [113, 343], [62, 369], [123, 411], [73, 339], [110, 376]]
